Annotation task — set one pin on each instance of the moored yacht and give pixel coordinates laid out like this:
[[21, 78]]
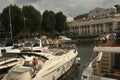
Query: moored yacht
[[51, 64], [31, 45], [9, 56], [106, 64]]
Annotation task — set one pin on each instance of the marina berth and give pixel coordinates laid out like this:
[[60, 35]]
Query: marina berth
[[49, 64]]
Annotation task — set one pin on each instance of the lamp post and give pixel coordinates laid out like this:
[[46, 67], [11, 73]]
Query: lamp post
[[11, 36]]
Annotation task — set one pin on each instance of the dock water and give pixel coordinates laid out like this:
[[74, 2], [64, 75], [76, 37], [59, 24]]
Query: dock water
[[85, 50]]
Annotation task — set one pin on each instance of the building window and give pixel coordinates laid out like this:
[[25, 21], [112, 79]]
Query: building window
[[110, 29], [88, 31], [118, 24], [109, 24], [101, 30], [93, 30], [97, 11]]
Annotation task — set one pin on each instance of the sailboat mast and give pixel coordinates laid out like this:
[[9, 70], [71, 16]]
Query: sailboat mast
[[11, 36]]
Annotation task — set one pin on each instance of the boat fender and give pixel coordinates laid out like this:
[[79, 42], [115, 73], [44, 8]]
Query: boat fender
[[77, 61], [75, 51]]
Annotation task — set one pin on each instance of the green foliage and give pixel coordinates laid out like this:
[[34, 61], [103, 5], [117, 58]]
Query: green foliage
[[48, 21], [60, 22], [54, 22], [29, 18], [32, 18], [0, 17], [16, 19]]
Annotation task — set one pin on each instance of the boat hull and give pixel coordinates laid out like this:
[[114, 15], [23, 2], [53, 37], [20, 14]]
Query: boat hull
[[58, 69], [55, 67]]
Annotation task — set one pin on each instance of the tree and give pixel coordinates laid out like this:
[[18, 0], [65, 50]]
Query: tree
[[16, 19], [48, 21], [32, 18], [0, 17], [60, 22]]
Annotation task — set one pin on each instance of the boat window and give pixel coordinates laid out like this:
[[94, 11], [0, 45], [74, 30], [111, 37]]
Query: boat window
[[118, 38], [28, 44], [44, 43], [59, 53], [36, 43], [117, 61], [7, 43], [32, 42], [10, 43]]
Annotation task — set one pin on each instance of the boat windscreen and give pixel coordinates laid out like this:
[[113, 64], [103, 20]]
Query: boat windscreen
[[28, 44], [32, 54], [60, 52], [31, 42]]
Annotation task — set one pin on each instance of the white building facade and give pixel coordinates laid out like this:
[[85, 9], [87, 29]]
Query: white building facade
[[98, 21]]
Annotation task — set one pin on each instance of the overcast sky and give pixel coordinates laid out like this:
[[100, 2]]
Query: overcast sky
[[70, 8]]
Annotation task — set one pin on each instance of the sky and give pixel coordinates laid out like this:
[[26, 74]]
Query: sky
[[70, 8]]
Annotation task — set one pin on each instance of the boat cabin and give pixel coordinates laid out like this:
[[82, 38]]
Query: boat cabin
[[35, 45]]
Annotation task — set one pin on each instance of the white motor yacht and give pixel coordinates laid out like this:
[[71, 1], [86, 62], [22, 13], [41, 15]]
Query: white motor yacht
[[30, 45], [51, 64], [7, 53], [106, 64]]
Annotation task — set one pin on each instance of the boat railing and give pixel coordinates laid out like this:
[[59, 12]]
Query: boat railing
[[111, 75], [7, 60], [9, 63], [94, 77]]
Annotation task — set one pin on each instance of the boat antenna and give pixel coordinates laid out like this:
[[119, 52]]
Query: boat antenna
[[11, 36]]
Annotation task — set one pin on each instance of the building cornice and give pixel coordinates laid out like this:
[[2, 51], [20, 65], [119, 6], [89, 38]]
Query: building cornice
[[93, 21]]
